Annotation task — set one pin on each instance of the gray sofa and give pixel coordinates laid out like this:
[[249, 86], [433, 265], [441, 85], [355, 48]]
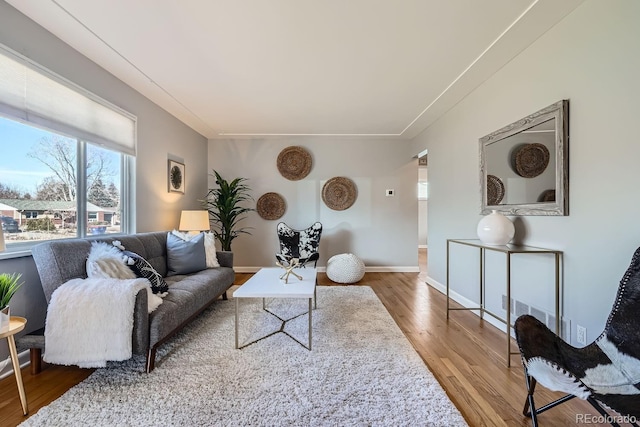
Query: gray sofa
[[61, 260]]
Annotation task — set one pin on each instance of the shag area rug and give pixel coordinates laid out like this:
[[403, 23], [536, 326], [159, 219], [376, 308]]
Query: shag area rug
[[361, 371]]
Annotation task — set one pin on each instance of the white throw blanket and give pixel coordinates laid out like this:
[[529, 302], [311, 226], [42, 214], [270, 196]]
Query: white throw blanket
[[90, 321]]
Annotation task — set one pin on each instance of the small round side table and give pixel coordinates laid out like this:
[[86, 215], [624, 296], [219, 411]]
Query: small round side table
[[16, 324]]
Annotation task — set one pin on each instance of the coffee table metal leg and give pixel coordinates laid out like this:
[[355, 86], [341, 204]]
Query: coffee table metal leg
[[237, 299], [310, 310]]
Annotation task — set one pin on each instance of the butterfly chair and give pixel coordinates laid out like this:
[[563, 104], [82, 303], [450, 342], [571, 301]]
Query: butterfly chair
[[606, 373], [301, 244]]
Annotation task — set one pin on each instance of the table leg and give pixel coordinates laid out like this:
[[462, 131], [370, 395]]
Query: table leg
[[482, 284], [557, 290], [237, 299], [17, 373], [310, 323], [447, 280], [508, 310]]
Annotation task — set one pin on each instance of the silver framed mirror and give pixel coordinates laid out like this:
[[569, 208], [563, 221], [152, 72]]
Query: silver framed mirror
[[524, 167]]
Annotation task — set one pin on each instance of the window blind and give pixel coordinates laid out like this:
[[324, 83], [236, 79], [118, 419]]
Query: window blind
[[33, 94]]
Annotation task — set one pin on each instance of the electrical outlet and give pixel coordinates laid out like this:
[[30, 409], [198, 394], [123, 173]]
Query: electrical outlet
[[581, 335]]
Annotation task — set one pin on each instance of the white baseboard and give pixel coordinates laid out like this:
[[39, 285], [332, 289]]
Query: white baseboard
[[393, 269], [372, 269], [6, 367], [465, 302]]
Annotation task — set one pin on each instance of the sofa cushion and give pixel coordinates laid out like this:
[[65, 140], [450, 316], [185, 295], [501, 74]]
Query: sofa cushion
[[185, 256]]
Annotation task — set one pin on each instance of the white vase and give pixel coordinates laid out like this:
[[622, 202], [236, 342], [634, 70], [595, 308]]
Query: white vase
[[495, 229]]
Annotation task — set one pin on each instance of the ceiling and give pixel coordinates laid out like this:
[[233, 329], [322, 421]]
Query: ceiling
[[256, 68]]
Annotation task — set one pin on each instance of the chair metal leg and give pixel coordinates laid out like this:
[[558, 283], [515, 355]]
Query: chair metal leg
[[530, 409], [529, 405]]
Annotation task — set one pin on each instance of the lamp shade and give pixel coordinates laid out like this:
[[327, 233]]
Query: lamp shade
[[194, 221], [2, 247]]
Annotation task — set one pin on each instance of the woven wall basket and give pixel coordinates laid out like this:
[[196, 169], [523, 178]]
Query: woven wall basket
[[547, 196], [294, 163], [531, 160], [339, 193], [271, 206], [495, 190]]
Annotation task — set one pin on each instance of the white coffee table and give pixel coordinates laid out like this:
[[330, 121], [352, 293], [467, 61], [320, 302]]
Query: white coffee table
[[266, 283]]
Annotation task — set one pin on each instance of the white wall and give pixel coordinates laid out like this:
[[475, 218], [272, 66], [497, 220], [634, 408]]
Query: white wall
[[381, 230], [592, 58], [160, 136]]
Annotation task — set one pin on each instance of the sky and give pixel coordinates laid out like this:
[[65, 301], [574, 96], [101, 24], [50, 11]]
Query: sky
[[17, 170]]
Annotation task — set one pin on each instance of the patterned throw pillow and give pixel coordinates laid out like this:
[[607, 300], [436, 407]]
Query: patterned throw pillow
[[142, 268]]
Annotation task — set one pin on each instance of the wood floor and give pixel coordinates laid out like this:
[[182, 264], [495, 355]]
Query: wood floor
[[465, 354]]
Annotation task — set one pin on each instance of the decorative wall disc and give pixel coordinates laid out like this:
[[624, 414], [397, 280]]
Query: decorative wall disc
[[270, 206], [531, 160], [547, 196], [495, 190], [294, 163], [339, 193]]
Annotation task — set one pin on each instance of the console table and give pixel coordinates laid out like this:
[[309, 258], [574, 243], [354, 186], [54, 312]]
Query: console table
[[508, 250]]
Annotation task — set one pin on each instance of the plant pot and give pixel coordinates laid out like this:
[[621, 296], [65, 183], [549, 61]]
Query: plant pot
[[4, 317]]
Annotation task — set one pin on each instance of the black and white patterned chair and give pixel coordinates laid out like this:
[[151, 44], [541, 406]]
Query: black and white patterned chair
[[606, 373], [301, 244]]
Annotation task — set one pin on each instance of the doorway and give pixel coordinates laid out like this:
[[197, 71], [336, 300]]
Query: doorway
[[423, 197]]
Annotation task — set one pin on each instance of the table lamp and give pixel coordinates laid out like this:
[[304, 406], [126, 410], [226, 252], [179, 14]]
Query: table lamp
[[194, 221]]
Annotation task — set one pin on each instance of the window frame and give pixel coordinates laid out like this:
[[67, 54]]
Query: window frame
[[127, 187], [126, 150]]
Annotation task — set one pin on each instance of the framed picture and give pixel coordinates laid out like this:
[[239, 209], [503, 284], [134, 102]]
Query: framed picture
[[175, 177]]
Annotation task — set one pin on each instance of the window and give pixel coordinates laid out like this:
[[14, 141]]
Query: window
[[40, 181], [66, 157]]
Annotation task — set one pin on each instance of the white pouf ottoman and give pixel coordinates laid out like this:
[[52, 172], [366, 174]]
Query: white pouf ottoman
[[345, 268]]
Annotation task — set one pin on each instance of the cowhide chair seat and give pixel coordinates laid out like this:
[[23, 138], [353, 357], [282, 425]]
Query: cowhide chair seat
[[606, 372], [301, 244]]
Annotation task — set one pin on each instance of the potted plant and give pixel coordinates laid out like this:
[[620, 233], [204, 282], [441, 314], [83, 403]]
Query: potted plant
[[224, 204], [8, 287]]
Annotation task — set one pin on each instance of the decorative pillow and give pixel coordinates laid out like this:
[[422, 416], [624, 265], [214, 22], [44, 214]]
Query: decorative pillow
[[107, 261], [141, 268], [210, 250], [185, 256], [209, 246]]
